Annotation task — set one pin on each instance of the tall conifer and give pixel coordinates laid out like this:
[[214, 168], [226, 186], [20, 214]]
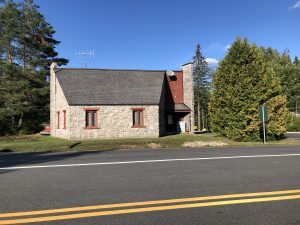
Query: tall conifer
[[201, 87], [243, 82], [27, 48]]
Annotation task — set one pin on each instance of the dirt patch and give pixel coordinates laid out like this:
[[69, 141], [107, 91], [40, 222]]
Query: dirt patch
[[129, 147], [154, 145], [196, 144]]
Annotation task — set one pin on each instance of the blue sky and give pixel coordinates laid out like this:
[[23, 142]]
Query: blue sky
[[162, 34]]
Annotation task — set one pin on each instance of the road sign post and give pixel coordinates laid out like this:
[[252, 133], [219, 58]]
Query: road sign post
[[263, 116]]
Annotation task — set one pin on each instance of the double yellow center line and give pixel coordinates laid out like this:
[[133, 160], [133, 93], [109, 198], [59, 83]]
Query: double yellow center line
[[137, 207]]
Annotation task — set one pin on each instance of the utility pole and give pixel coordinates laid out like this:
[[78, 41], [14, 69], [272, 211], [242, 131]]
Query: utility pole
[[263, 116], [264, 124]]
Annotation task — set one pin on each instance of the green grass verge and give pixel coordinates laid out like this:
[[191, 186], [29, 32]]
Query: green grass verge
[[36, 143]]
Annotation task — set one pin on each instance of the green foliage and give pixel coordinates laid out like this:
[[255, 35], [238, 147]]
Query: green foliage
[[288, 73], [294, 124], [243, 82], [27, 48]]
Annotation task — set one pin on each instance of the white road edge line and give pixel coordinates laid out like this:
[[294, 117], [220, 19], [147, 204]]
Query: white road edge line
[[145, 161]]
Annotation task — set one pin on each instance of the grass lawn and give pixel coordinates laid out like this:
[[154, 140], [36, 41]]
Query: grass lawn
[[37, 143]]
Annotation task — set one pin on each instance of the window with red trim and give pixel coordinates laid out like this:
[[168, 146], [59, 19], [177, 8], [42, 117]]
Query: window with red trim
[[138, 117], [58, 120], [65, 119], [91, 119]]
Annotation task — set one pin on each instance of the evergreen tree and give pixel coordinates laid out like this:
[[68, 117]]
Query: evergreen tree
[[201, 87], [9, 24], [244, 81], [36, 42], [288, 73], [296, 86], [27, 50], [296, 61]]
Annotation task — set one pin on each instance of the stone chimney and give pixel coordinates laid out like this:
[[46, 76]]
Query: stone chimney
[[188, 94], [52, 97]]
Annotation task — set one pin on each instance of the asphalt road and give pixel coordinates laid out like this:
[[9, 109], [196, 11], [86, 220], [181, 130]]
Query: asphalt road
[[47, 181], [293, 135]]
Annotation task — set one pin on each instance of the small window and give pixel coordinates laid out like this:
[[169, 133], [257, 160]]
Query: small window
[[65, 119], [91, 119], [138, 117], [58, 120]]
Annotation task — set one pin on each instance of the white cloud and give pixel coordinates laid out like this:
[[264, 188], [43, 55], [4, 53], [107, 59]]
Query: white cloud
[[226, 47], [212, 61], [295, 6]]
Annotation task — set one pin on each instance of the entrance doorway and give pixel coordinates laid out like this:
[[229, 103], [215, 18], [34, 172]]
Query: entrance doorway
[[174, 118], [171, 122]]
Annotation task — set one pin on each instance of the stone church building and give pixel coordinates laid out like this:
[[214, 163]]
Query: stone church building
[[104, 103]]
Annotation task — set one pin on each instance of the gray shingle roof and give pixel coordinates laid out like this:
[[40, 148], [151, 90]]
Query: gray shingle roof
[[111, 87]]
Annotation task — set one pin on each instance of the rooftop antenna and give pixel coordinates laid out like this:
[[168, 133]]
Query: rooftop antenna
[[84, 55]]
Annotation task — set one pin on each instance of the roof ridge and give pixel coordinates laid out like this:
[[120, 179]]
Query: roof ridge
[[61, 68]]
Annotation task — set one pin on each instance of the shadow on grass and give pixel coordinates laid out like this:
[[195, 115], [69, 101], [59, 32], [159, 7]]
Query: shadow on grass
[[75, 144], [203, 132], [169, 134]]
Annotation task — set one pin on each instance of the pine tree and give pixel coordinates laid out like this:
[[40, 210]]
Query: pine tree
[[244, 81], [36, 42], [201, 86], [9, 24], [296, 61], [27, 50]]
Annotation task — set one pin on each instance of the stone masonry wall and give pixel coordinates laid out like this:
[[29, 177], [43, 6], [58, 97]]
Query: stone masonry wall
[[58, 103], [114, 121], [188, 94]]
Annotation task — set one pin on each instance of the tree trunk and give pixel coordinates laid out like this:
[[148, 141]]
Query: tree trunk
[[296, 112], [13, 120], [198, 113], [9, 56], [21, 120], [203, 120]]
